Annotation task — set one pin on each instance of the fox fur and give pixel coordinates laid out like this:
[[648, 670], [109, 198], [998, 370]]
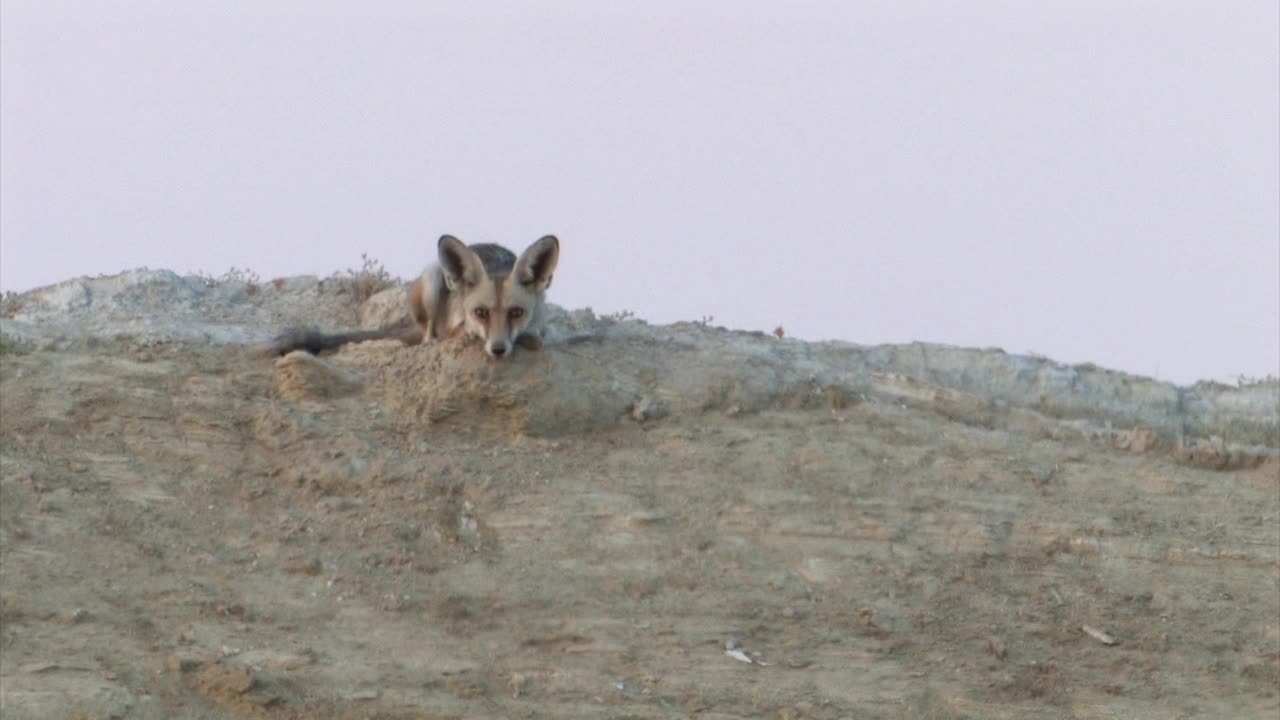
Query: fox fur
[[481, 290]]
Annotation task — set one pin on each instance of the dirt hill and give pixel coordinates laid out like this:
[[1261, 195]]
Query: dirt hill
[[637, 522]]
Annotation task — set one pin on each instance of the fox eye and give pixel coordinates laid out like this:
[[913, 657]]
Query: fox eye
[[515, 313], [482, 313]]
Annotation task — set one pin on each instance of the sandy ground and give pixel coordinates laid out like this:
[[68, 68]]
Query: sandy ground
[[190, 529]]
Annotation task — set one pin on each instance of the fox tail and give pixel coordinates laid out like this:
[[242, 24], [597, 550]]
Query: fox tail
[[316, 342]]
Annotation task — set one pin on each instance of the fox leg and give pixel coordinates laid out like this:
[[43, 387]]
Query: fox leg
[[429, 305]]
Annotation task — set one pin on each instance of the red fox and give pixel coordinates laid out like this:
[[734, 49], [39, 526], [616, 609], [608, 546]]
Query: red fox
[[482, 290]]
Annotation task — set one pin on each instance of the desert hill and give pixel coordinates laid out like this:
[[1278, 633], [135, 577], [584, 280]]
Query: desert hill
[[613, 527]]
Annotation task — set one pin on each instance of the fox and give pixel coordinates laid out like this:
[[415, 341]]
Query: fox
[[482, 290]]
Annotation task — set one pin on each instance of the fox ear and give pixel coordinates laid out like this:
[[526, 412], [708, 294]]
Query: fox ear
[[538, 263], [459, 263]]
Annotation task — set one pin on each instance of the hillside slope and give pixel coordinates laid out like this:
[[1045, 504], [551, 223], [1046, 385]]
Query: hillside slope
[[189, 528]]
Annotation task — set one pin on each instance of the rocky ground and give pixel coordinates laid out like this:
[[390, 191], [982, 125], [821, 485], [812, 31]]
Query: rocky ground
[[636, 522]]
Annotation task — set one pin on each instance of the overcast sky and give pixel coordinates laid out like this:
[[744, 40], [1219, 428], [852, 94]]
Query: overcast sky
[[1093, 181]]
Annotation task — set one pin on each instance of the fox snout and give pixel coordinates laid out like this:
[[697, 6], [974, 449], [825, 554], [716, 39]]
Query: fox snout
[[499, 336]]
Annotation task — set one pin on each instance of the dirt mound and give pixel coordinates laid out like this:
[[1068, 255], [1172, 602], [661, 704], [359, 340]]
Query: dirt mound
[[602, 367], [637, 521]]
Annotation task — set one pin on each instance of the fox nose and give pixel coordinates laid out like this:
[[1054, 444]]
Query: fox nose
[[497, 350]]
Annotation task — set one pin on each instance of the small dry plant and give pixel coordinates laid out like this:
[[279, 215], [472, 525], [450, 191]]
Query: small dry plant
[[369, 280]]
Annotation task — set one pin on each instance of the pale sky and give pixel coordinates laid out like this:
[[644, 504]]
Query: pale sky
[[1089, 180]]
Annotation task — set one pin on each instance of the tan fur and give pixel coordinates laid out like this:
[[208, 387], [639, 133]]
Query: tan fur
[[487, 292], [481, 290]]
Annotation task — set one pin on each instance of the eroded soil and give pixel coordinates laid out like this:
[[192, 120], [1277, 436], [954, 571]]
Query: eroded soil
[[185, 533]]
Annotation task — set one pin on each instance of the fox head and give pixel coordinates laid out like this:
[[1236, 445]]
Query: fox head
[[499, 295]]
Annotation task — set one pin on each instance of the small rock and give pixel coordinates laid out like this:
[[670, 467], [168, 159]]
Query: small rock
[[303, 566], [1137, 441], [517, 684], [648, 408], [181, 664], [335, 504], [236, 681], [646, 518], [995, 647], [1100, 635]]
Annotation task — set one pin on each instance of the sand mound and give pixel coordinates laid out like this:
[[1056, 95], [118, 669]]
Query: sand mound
[[619, 525]]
